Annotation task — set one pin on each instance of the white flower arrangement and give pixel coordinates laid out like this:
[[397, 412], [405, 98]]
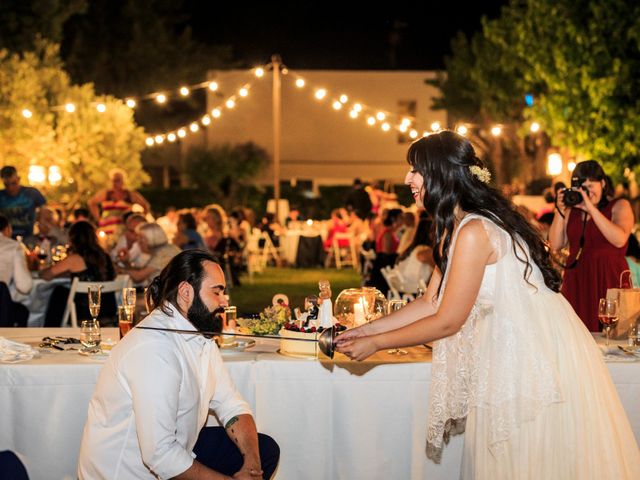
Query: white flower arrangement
[[481, 173]]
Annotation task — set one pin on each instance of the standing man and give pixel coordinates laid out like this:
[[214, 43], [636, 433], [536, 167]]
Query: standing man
[[148, 413], [358, 200], [19, 203]]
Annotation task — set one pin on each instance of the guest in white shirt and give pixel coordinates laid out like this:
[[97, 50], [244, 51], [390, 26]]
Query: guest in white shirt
[[148, 413], [16, 277]]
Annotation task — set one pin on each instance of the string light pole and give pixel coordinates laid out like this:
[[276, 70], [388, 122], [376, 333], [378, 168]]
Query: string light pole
[[277, 117]]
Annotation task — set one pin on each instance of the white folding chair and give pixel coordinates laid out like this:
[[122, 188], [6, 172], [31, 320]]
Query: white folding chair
[[394, 279], [343, 256], [115, 286]]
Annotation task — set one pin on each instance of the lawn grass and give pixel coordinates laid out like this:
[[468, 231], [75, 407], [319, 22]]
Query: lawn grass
[[296, 283]]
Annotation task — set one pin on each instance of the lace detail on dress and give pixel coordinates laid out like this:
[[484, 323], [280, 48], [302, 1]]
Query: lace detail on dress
[[494, 362]]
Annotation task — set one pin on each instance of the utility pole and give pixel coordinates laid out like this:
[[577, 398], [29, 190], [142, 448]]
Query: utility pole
[[277, 117]]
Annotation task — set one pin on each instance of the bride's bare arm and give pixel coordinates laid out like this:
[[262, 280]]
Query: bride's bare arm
[[473, 251]]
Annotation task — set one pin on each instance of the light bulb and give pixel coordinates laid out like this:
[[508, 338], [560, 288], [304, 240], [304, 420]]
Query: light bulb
[[26, 113], [353, 114], [259, 72], [215, 113], [193, 127], [344, 99], [321, 93], [413, 134], [300, 83], [386, 127], [182, 133], [159, 139], [371, 121], [337, 105], [496, 131], [171, 137], [70, 107], [206, 120], [149, 141], [535, 127], [230, 103], [161, 98], [213, 86], [435, 126], [131, 103], [380, 116], [184, 91], [357, 107], [101, 107], [243, 92], [462, 130]]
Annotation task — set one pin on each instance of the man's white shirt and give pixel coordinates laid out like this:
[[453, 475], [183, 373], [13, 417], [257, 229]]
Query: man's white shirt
[[151, 400], [13, 269]]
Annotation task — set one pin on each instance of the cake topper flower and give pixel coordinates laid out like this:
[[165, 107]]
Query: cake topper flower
[[481, 173]]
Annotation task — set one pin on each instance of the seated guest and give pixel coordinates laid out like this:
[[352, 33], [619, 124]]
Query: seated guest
[[224, 249], [407, 231], [187, 237], [239, 227], [386, 248], [148, 412], [15, 278], [48, 227], [153, 241], [169, 222], [416, 262], [89, 263], [127, 249], [336, 225]]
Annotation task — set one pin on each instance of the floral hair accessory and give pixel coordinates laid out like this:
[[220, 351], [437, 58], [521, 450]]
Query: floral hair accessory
[[481, 173]]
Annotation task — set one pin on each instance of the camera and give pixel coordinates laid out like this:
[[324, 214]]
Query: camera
[[572, 196]]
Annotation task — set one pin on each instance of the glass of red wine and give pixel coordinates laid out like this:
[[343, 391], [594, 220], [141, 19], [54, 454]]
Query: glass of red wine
[[608, 315]]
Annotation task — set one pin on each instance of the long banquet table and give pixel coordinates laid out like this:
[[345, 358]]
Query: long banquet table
[[333, 419]]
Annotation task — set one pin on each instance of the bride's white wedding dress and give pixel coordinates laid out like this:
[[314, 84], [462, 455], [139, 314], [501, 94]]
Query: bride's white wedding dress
[[527, 383]]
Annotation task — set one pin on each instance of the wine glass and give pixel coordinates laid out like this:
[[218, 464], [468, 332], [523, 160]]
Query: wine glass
[[95, 294], [90, 336], [129, 301], [393, 306], [608, 315]]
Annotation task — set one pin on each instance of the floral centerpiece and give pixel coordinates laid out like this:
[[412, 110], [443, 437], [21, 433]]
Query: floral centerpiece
[[271, 320]]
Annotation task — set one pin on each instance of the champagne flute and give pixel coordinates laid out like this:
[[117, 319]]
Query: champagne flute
[[608, 315], [393, 306], [95, 295], [90, 336], [129, 301], [124, 322]]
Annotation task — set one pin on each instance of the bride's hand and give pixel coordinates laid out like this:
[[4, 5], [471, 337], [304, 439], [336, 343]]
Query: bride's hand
[[359, 348], [351, 334]]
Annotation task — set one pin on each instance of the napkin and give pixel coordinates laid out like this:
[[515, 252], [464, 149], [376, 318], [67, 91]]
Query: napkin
[[14, 352]]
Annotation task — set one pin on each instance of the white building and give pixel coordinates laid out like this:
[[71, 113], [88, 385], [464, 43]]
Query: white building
[[318, 142]]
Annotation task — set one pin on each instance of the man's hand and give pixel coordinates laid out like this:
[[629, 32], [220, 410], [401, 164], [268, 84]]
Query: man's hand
[[248, 473]]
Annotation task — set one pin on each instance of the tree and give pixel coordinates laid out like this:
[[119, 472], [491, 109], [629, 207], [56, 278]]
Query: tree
[[224, 169], [581, 60], [85, 144], [23, 21]]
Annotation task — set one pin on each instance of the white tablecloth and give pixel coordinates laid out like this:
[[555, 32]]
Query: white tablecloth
[[332, 420]]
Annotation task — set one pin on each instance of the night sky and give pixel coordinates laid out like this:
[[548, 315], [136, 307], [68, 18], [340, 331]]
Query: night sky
[[340, 35]]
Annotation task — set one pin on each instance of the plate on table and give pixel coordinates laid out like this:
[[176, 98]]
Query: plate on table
[[237, 346], [103, 354]]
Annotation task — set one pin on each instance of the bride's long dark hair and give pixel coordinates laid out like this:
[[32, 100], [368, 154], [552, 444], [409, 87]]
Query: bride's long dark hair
[[443, 159]]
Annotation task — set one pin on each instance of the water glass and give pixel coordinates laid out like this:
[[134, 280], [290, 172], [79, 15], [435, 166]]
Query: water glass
[[231, 316], [90, 336], [393, 306]]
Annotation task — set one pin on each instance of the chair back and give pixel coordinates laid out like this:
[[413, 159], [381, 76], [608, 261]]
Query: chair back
[[395, 280], [116, 286]]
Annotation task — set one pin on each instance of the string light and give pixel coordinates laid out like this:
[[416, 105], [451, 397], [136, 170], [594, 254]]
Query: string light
[[371, 121], [357, 107], [26, 113], [353, 114], [194, 127], [413, 134], [206, 120], [149, 141], [386, 127], [243, 92], [380, 116], [535, 127], [300, 83], [159, 139], [435, 126], [70, 107], [344, 98], [161, 98], [182, 133], [171, 137], [101, 107], [462, 130], [184, 91], [230, 103], [131, 103], [337, 105], [496, 131], [259, 72], [215, 113], [403, 128], [213, 86], [321, 93]]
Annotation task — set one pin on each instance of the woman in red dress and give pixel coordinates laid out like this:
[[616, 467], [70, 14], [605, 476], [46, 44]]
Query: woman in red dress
[[597, 231]]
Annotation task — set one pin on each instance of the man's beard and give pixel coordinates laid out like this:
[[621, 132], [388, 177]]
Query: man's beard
[[204, 319]]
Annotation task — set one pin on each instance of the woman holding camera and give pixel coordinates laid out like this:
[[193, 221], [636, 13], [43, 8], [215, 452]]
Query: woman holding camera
[[596, 226]]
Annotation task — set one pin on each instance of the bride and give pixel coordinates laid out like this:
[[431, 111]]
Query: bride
[[514, 367]]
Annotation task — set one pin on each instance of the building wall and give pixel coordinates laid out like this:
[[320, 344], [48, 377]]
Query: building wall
[[317, 142]]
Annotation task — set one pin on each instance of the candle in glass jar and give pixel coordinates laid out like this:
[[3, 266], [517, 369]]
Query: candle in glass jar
[[358, 313]]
